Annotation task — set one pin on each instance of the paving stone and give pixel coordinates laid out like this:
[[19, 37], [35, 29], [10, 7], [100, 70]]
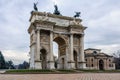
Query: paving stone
[[80, 76]]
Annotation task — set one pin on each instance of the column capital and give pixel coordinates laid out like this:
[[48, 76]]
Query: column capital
[[71, 35], [82, 35], [51, 31], [37, 28], [37, 31]]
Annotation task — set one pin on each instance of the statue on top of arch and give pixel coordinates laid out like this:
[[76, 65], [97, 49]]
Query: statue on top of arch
[[56, 11], [35, 6]]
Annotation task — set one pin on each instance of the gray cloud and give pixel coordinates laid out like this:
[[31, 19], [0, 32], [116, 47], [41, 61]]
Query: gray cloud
[[100, 16]]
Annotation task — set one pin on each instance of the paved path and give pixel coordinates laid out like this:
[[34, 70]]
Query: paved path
[[81, 76]]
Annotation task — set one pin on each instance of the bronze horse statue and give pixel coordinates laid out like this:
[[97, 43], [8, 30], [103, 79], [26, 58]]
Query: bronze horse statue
[[77, 14], [35, 6], [56, 11]]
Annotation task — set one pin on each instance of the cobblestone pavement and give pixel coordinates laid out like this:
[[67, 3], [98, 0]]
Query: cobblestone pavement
[[80, 76]]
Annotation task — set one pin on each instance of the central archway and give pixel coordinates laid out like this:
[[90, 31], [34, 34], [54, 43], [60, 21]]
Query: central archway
[[61, 52], [101, 64]]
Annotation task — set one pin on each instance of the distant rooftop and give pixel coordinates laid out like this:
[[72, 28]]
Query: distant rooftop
[[92, 49]]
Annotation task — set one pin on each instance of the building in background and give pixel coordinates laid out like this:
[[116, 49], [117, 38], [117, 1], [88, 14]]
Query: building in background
[[117, 62], [95, 59]]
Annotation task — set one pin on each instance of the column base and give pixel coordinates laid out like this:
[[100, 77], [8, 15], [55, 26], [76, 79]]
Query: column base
[[38, 65], [82, 65], [71, 65], [51, 65]]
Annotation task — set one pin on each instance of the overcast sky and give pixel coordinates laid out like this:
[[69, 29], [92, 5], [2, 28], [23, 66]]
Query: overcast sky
[[102, 17]]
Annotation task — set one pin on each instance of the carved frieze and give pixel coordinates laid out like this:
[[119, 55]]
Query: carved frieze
[[45, 26], [60, 29], [76, 30], [76, 40], [44, 37]]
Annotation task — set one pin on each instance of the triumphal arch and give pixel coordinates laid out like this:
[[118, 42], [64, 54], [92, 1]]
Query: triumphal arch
[[68, 32]]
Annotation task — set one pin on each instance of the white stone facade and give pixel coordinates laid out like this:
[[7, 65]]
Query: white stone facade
[[66, 31]]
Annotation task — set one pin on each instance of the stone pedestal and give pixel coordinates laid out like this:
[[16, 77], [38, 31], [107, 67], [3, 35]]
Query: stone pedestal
[[38, 65], [81, 65], [71, 65], [51, 65]]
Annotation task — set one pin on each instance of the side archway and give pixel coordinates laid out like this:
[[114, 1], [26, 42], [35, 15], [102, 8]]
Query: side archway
[[101, 64], [43, 58]]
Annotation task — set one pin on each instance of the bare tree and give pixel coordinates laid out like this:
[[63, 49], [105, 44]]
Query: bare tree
[[117, 54]]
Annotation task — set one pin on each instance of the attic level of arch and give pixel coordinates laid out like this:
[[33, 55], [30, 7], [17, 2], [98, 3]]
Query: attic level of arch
[[51, 26], [51, 22], [45, 14]]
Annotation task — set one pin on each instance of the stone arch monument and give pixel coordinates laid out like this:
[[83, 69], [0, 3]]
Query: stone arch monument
[[67, 32]]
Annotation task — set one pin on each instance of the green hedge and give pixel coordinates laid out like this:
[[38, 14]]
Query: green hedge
[[63, 70], [112, 71], [60, 71], [27, 71]]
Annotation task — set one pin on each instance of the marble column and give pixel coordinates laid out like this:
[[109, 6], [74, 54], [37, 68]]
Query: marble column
[[67, 56], [51, 57], [71, 63], [97, 64], [106, 67], [82, 64], [71, 47], [38, 44], [32, 50], [37, 60]]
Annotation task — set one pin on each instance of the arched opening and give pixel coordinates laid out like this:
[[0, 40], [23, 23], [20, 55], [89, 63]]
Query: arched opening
[[55, 49], [75, 58], [43, 58], [63, 63], [101, 64], [55, 53], [59, 47]]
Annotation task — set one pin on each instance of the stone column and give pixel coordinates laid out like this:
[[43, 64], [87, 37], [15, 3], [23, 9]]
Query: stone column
[[38, 44], [37, 60], [81, 53], [32, 50], [51, 59], [71, 62], [67, 56], [71, 47], [106, 64], [97, 64]]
